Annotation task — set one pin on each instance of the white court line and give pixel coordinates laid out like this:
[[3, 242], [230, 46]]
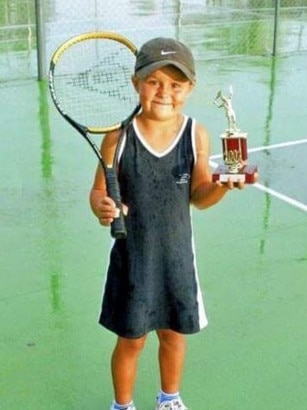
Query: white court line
[[266, 147], [284, 198], [263, 188], [280, 145]]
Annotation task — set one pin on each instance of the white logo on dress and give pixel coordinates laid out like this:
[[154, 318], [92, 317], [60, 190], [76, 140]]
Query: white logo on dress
[[183, 178]]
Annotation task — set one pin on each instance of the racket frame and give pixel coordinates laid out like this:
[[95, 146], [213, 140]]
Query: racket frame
[[118, 228]]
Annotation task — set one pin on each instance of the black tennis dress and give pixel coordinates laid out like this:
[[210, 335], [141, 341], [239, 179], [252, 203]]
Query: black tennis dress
[[152, 280]]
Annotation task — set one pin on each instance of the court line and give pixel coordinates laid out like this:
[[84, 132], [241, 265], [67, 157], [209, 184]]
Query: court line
[[272, 192], [266, 147], [284, 198]]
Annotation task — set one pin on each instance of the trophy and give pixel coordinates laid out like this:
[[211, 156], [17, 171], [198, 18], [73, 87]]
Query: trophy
[[234, 144]]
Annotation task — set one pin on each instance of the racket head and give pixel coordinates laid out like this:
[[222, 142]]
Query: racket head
[[90, 80]]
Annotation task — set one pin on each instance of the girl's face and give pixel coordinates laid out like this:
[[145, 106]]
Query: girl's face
[[163, 93]]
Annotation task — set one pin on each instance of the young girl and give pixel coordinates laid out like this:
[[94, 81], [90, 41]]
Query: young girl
[[152, 282]]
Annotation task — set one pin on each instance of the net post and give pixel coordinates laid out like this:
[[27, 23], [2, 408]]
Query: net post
[[276, 21], [40, 41]]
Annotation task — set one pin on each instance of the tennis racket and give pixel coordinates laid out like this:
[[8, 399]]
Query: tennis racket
[[90, 85]]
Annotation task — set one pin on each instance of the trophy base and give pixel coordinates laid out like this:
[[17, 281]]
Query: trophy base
[[246, 174]]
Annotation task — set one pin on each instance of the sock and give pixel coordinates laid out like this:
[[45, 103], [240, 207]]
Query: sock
[[117, 406], [162, 397]]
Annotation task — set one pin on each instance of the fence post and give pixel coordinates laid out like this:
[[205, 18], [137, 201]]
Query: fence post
[[40, 40], [276, 21]]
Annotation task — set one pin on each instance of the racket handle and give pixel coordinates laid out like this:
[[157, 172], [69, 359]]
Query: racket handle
[[118, 226]]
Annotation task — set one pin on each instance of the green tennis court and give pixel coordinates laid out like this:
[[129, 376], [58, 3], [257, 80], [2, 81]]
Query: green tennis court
[[252, 254]]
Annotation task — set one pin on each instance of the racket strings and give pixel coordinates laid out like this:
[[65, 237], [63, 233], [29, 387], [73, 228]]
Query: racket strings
[[92, 81]]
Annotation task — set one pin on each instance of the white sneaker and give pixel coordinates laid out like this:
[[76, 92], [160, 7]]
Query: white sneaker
[[130, 407], [175, 404]]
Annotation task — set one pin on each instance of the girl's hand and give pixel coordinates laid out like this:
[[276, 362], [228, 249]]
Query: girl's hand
[[239, 185], [106, 211], [231, 185]]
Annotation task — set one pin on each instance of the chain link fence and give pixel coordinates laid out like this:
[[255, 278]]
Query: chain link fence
[[30, 30]]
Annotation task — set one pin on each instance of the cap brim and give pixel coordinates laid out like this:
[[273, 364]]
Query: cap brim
[[150, 68]]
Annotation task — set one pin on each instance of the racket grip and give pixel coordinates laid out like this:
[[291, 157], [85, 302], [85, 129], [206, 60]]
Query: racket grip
[[118, 226]]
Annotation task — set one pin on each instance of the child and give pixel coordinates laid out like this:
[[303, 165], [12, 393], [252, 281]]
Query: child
[[152, 282]]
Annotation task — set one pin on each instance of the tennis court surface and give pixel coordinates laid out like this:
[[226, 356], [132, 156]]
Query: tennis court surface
[[252, 255]]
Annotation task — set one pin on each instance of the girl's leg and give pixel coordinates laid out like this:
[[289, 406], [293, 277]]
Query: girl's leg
[[124, 367], [171, 359]]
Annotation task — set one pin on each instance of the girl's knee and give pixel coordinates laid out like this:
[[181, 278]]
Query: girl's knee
[[169, 337], [132, 345]]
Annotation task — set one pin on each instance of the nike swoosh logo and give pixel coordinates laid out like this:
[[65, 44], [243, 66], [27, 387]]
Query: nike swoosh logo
[[165, 53]]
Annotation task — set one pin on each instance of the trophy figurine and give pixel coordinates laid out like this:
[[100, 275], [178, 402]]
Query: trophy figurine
[[234, 144]]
